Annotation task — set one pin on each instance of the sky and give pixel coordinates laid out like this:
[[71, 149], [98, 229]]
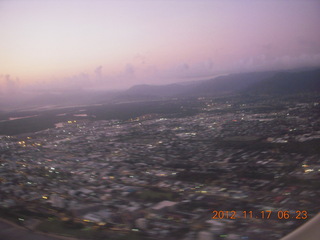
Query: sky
[[98, 44]]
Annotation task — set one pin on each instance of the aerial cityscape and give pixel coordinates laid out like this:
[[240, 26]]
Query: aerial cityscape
[[162, 176], [175, 120]]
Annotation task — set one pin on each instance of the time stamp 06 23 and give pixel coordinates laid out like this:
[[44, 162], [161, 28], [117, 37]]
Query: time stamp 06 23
[[265, 214]]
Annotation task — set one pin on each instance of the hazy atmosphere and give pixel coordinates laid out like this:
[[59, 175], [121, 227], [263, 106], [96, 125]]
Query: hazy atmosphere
[[159, 119], [117, 44]]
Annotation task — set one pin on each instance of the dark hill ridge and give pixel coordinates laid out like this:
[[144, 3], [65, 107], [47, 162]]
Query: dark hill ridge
[[216, 86], [271, 83], [255, 83], [288, 83], [159, 91], [228, 84]]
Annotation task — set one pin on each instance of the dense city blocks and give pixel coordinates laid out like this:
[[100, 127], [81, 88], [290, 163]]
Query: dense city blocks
[[218, 167]]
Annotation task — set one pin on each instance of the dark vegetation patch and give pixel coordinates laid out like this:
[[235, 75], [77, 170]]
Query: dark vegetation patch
[[200, 177], [46, 119], [155, 195], [307, 147]]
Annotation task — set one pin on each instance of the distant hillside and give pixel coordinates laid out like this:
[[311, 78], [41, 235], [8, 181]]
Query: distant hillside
[[157, 91], [254, 83], [285, 83], [271, 83], [216, 86], [228, 84]]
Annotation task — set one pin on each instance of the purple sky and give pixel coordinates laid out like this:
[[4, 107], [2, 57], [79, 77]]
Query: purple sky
[[115, 44]]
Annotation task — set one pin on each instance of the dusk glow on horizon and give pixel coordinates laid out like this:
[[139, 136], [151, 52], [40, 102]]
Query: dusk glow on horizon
[[117, 44]]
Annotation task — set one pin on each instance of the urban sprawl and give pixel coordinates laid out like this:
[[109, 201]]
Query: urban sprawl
[[162, 177]]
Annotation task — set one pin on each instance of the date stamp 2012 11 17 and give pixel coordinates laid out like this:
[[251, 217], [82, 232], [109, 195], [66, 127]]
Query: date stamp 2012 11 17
[[265, 214]]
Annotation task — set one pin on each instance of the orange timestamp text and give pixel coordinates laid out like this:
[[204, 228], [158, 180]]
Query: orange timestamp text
[[265, 214]]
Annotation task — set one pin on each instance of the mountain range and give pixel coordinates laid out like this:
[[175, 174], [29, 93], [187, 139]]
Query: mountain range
[[255, 83], [271, 83]]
